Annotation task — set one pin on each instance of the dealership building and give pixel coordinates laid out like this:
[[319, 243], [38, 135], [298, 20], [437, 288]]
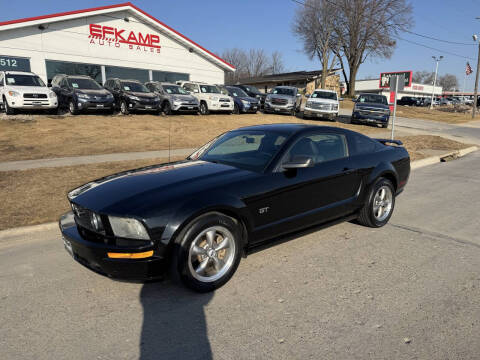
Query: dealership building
[[113, 41]]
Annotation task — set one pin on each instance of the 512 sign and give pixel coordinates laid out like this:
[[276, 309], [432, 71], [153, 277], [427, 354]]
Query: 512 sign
[[14, 63]]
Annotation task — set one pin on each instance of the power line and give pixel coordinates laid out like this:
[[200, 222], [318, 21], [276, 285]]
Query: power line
[[432, 48], [432, 38]]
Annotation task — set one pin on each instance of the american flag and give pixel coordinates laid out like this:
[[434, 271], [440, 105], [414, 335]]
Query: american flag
[[468, 69]]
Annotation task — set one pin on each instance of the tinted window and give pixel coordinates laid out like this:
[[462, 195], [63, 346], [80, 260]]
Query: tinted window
[[23, 80], [363, 144], [320, 147], [251, 150], [133, 86], [284, 91], [324, 95], [372, 98], [83, 83], [69, 68], [251, 89], [166, 76], [126, 73], [209, 89], [190, 87], [237, 92], [174, 89]]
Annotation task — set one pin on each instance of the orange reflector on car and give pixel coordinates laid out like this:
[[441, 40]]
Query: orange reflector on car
[[141, 255]]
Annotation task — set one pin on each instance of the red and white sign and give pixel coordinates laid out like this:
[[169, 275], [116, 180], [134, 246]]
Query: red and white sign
[[112, 36]]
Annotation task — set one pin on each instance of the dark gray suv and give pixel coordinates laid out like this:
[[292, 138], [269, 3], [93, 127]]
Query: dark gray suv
[[283, 99], [173, 98]]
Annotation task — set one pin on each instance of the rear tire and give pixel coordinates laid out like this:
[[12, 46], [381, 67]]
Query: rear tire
[[379, 204], [204, 108], [202, 262]]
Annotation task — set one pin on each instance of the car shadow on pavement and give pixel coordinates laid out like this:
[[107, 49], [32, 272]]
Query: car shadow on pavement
[[174, 324]]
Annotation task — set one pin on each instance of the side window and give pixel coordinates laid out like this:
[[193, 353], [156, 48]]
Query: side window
[[63, 83], [362, 144], [1, 80], [320, 147]]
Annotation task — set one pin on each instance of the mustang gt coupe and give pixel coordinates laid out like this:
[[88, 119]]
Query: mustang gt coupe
[[196, 218]]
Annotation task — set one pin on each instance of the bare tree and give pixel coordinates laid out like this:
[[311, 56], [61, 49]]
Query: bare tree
[[314, 24], [448, 82], [423, 77], [258, 63], [238, 58], [366, 28], [276, 63]]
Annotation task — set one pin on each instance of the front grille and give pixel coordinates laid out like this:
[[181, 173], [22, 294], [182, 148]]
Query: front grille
[[279, 101], [372, 112], [34, 96], [320, 106], [224, 100]]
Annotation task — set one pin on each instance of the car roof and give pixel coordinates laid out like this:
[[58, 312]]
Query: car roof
[[326, 90], [289, 128], [19, 72], [285, 87], [76, 76]]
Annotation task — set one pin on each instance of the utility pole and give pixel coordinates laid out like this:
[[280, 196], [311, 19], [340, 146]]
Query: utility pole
[[437, 60], [474, 110]]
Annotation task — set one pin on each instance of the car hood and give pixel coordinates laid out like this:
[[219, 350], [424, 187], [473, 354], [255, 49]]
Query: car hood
[[92, 92], [366, 105], [132, 192], [182, 97], [323, 101], [248, 98], [29, 89], [278, 96], [141, 94]]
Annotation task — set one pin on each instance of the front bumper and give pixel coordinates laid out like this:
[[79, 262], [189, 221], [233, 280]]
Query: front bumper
[[143, 106], [32, 103], [320, 113], [93, 255], [185, 107], [220, 106], [370, 118], [252, 108], [269, 107], [90, 104]]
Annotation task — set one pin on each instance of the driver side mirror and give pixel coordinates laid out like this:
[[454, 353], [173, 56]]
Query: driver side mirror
[[307, 95], [299, 161]]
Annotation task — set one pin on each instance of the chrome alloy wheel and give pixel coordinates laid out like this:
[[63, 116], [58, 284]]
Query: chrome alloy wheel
[[382, 203], [211, 254]]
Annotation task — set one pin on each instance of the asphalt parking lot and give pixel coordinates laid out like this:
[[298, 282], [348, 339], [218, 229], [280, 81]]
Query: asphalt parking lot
[[406, 291]]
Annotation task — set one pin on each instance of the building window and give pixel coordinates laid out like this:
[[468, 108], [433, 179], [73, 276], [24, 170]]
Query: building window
[[126, 73], [69, 68], [11, 63], [172, 77]]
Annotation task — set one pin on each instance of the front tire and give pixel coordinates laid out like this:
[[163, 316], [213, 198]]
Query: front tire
[[379, 204], [123, 107], [8, 109], [236, 109], [72, 108], [167, 108], [204, 108], [207, 252]]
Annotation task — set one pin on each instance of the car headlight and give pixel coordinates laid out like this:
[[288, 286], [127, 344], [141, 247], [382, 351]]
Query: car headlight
[[83, 96], [13, 93], [177, 102], [245, 103], [335, 106], [214, 98], [156, 98], [128, 228], [109, 96], [52, 95], [309, 103], [268, 98], [96, 222], [133, 97]]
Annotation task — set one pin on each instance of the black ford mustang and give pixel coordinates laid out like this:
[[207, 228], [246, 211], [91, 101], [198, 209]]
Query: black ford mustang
[[197, 217]]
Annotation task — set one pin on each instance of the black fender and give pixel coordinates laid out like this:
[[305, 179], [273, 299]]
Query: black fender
[[219, 201], [383, 169]]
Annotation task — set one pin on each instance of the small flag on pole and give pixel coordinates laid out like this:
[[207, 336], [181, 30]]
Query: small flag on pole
[[468, 69]]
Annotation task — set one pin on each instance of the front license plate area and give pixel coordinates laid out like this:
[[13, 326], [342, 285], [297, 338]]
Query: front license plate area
[[148, 107], [99, 105]]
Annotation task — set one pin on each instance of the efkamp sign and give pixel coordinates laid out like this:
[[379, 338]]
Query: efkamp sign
[[385, 78]]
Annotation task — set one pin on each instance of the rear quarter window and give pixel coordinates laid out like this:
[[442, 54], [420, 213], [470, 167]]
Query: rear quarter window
[[362, 144]]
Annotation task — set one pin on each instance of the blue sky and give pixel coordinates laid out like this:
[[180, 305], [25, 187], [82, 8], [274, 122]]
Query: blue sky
[[221, 24]]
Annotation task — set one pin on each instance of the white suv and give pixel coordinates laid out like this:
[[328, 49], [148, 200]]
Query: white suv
[[322, 103], [209, 97], [25, 90]]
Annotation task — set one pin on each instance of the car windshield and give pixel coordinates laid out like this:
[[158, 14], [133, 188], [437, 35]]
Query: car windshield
[[372, 98], [24, 80], [174, 90], [134, 87], [250, 150], [252, 89], [83, 83], [283, 91], [324, 95], [237, 92], [209, 89]]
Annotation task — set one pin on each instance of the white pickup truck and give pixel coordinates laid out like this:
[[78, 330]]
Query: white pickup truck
[[25, 90], [322, 103]]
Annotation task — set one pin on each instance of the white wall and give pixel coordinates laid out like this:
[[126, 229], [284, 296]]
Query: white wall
[[69, 41], [420, 90]]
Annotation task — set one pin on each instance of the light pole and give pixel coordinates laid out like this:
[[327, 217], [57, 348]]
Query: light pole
[[475, 38], [437, 60]]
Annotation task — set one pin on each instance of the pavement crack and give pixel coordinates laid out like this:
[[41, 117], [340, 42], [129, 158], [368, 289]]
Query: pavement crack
[[435, 234]]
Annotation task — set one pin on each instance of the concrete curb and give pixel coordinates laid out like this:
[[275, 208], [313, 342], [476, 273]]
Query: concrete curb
[[24, 230], [436, 159]]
